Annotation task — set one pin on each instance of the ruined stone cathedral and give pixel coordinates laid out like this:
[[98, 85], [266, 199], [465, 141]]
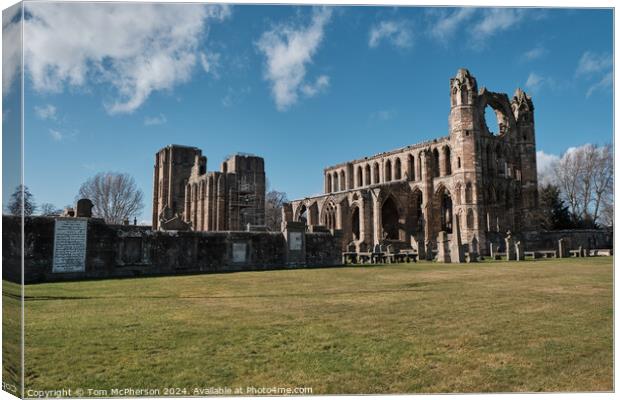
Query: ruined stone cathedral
[[474, 180], [187, 196]]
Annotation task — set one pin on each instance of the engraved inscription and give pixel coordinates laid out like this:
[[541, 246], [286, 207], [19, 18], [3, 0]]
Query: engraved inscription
[[239, 252], [69, 245], [294, 240]]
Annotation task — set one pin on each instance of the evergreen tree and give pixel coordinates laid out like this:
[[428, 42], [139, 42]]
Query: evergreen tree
[[15, 202], [554, 214]]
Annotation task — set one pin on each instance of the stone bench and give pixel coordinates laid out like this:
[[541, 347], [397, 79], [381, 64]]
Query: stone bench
[[402, 257], [601, 252]]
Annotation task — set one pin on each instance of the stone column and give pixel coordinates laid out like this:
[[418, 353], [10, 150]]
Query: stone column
[[376, 216], [443, 249]]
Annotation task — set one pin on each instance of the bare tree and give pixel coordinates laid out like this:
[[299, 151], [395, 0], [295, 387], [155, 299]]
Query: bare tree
[[602, 184], [21, 199], [48, 209], [585, 178], [115, 196], [567, 172], [273, 209]]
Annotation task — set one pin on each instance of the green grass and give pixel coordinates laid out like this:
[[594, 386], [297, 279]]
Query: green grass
[[407, 328]]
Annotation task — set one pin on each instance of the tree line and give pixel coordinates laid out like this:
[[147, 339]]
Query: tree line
[[115, 197], [577, 193]]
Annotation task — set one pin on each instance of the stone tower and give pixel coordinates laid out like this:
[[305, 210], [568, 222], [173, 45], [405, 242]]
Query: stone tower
[[173, 167]]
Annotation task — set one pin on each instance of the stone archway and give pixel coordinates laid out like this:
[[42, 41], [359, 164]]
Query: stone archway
[[390, 219], [355, 222]]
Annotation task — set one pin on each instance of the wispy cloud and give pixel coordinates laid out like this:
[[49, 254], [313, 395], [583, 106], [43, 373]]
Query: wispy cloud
[[156, 120], [534, 53], [496, 20], [478, 25], [47, 111], [288, 49], [596, 68], [447, 23], [592, 63], [210, 62], [56, 135], [397, 33], [383, 115], [534, 81], [312, 89], [234, 96], [141, 55], [603, 84]]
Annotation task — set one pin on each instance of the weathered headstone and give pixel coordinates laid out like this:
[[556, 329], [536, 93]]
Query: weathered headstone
[[473, 250], [295, 236], [443, 247], [562, 250], [84, 208], [519, 250], [510, 250], [457, 254]]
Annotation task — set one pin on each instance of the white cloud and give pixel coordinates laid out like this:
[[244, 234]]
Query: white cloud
[[210, 63], [604, 83], [598, 67], [448, 23], [545, 163], [288, 50], [534, 81], [534, 53], [321, 84], [495, 20], [47, 111], [397, 33], [11, 46], [56, 135], [592, 63], [156, 120], [71, 44]]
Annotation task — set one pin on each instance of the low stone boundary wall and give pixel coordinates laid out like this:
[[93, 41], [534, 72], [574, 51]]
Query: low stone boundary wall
[[114, 251]]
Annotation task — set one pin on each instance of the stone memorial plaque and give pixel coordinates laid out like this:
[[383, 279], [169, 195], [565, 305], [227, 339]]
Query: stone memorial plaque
[[294, 241], [239, 252], [69, 245]]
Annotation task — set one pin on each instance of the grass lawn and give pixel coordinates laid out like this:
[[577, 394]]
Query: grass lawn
[[406, 328]]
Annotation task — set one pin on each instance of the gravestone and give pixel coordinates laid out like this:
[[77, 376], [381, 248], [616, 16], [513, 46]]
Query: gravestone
[[519, 250], [457, 255], [473, 250], [510, 249], [69, 245], [84, 208], [295, 236], [562, 249]]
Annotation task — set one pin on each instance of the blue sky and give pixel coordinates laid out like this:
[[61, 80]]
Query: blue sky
[[107, 85]]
